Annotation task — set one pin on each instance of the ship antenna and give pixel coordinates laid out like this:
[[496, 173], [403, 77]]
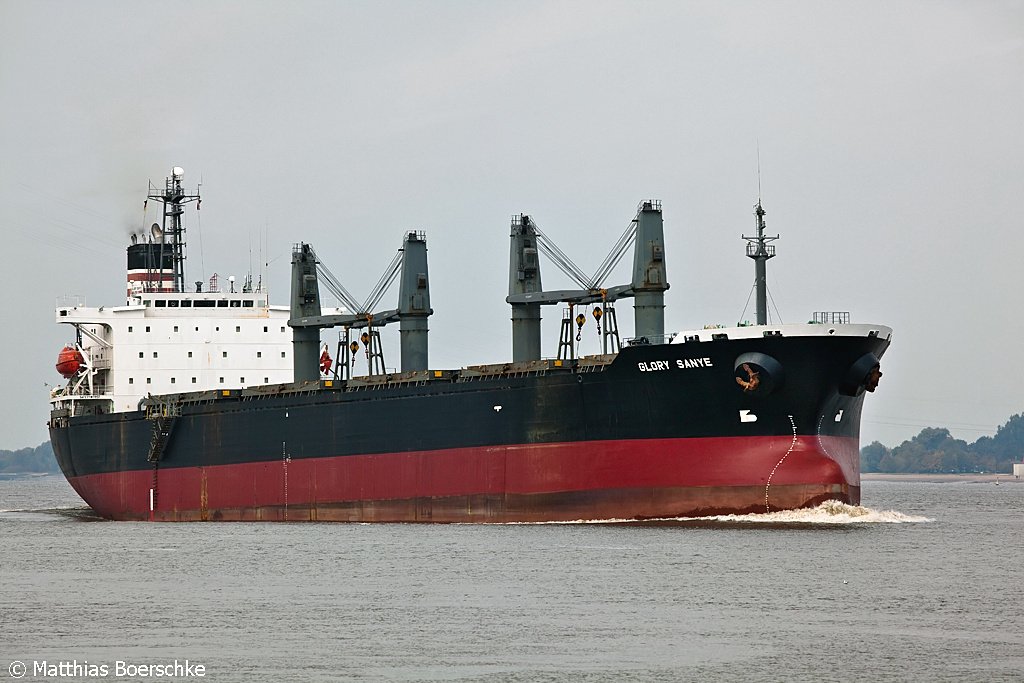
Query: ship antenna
[[199, 230], [757, 143]]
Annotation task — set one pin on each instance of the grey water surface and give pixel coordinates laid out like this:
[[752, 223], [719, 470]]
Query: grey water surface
[[925, 582]]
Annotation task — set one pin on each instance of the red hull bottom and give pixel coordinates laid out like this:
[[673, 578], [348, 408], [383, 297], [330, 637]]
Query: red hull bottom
[[645, 479]]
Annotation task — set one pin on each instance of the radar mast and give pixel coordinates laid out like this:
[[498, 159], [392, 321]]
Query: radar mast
[[172, 233], [760, 249]]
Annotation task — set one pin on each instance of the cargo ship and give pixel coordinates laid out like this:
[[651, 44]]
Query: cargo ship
[[217, 405]]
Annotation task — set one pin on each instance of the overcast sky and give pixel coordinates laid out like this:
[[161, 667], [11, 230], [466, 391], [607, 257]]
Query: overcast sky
[[890, 137]]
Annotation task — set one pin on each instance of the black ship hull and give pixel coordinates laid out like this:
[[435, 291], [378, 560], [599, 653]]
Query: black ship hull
[[661, 430]]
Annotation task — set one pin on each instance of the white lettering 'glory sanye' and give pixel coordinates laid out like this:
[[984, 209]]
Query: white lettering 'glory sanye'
[[681, 363]]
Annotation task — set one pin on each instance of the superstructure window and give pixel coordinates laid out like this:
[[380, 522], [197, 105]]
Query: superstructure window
[[172, 380], [141, 354], [204, 303], [160, 303], [235, 303], [154, 354], [175, 328], [193, 380], [247, 303], [282, 354], [259, 354], [238, 328], [222, 304], [149, 380], [129, 328], [147, 328], [264, 328], [131, 380], [187, 303], [241, 380], [224, 354], [266, 380], [173, 303], [282, 329], [189, 354], [222, 380]]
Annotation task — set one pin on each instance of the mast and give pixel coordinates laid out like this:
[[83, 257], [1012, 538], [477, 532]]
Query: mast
[[414, 302], [649, 278], [759, 249], [524, 278], [172, 238]]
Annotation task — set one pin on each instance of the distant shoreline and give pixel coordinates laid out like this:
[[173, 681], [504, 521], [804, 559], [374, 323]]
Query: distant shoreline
[[936, 478]]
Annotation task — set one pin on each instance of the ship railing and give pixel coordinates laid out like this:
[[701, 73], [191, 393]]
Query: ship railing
[[754, 249], [649, 340], [70, 301], [79, 409], [161, 409], [67, 406], [830, 318], [99, 391], [649, 204]]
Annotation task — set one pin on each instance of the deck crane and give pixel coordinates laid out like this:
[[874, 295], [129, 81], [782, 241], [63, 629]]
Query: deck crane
[[526, 294], [413, 309]]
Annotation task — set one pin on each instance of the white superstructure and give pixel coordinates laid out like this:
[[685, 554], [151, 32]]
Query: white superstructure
[[165, 340], [162, 343]]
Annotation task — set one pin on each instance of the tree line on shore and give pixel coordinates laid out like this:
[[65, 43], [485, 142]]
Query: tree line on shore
[[935, 450], [29, 460], [932, 450]]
